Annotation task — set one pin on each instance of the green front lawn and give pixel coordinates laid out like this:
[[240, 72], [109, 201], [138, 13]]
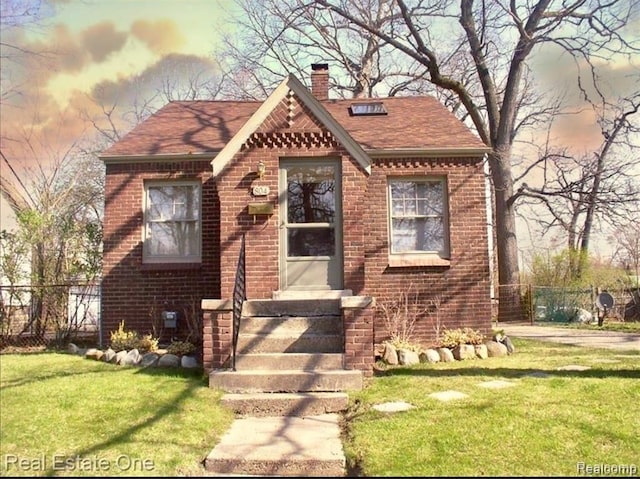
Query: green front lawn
[[542, 426], [65, 415], [624, 327]]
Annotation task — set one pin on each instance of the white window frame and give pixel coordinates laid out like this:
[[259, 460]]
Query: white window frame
[[419, 257], [148, 257]]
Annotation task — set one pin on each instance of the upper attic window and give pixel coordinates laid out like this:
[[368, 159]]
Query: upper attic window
[[364, 109]]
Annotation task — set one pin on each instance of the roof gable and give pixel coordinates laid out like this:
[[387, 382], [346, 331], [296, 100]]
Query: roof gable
[[290, 84]]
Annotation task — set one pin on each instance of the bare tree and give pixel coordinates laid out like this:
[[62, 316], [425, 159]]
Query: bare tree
[[578, 191], [277, 37], [627, 237], [16, 18], [60, 231], [500, 38]]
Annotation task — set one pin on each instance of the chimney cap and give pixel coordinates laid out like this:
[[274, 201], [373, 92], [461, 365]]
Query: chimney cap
[[319, 66]]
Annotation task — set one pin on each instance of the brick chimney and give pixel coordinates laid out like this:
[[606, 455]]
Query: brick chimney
[[320, 80]]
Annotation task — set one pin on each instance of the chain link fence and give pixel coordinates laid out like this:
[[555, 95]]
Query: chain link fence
[[565, 304], [49, 315]]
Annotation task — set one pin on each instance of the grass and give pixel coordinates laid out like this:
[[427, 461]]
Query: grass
[[67, 416], [542, 426], [105, 420], [623, 327]]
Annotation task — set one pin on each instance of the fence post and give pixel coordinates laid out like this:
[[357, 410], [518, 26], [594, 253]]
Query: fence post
[[531, 307]]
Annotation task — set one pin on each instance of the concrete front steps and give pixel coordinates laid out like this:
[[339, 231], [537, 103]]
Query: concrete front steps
[[288, 387]]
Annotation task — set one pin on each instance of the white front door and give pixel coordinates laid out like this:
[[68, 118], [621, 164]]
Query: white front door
[[310, 225]]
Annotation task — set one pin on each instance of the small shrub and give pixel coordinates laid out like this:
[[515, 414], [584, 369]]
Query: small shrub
[[473, 336], [180, 348], [122, 339], [401, 314], [398, 344], [455, 337], [452, 338], [147, 343]]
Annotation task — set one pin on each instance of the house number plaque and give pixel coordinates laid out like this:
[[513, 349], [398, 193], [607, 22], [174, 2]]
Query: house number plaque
[[261, 190]]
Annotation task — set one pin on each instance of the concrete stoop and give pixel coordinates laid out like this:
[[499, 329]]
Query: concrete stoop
[[286, 404], [286, 381], [287, 390], [280, 446]]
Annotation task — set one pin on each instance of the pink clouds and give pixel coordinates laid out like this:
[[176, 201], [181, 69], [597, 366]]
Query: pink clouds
[[160, 36], [102, 39]]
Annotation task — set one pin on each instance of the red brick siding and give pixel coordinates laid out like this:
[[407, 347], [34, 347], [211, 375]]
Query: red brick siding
[[216, 339], [133, 292], [358, 339], [463, 287], [273, 142]]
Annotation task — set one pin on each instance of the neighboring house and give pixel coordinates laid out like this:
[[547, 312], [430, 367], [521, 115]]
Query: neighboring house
[[370, 198]]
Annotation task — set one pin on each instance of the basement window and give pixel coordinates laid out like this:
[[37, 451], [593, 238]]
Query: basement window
[[367, 109]]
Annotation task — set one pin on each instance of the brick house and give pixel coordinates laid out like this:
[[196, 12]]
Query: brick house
[[356, 200]]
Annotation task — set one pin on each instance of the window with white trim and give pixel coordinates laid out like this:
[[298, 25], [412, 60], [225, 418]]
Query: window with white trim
[[172, 222], [418, 216]]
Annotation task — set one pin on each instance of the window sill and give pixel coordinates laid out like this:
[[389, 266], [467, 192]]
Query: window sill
[[171, 266], [409, 260]]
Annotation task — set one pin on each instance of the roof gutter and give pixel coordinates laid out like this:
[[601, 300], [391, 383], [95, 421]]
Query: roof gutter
[[121, 159], [427, 152]]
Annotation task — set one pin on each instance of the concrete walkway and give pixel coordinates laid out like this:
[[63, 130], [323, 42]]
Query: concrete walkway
[[281, 446], [578, 337]]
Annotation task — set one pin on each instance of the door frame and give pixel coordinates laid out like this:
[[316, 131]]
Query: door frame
[[336, 261]]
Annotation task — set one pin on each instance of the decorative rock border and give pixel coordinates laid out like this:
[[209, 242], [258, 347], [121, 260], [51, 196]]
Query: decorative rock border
[[499, 346], [160, 358]]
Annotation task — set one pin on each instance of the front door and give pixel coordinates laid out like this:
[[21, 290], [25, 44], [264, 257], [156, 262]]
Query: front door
[[310, 225]]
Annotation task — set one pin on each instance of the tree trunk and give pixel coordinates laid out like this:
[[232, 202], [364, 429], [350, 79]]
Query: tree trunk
[[510, 308]]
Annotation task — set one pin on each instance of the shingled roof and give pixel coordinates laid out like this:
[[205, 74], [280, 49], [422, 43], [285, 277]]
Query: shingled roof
[[417, 123]]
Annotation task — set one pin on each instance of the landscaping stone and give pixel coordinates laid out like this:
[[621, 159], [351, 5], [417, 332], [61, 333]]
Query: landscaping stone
[[93, 353], [72, 348], [189, 362], [120, 355], [149, 360], [390, 355], [481, 351], [464, 351], [407, 357], [169, 361], [109, 356], [132, 358], [429, 356], [510, 347], [496, 349], [446, 356], [396, 406]]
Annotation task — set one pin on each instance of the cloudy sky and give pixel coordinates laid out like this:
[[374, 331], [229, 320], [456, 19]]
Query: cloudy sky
[[68, 57]]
